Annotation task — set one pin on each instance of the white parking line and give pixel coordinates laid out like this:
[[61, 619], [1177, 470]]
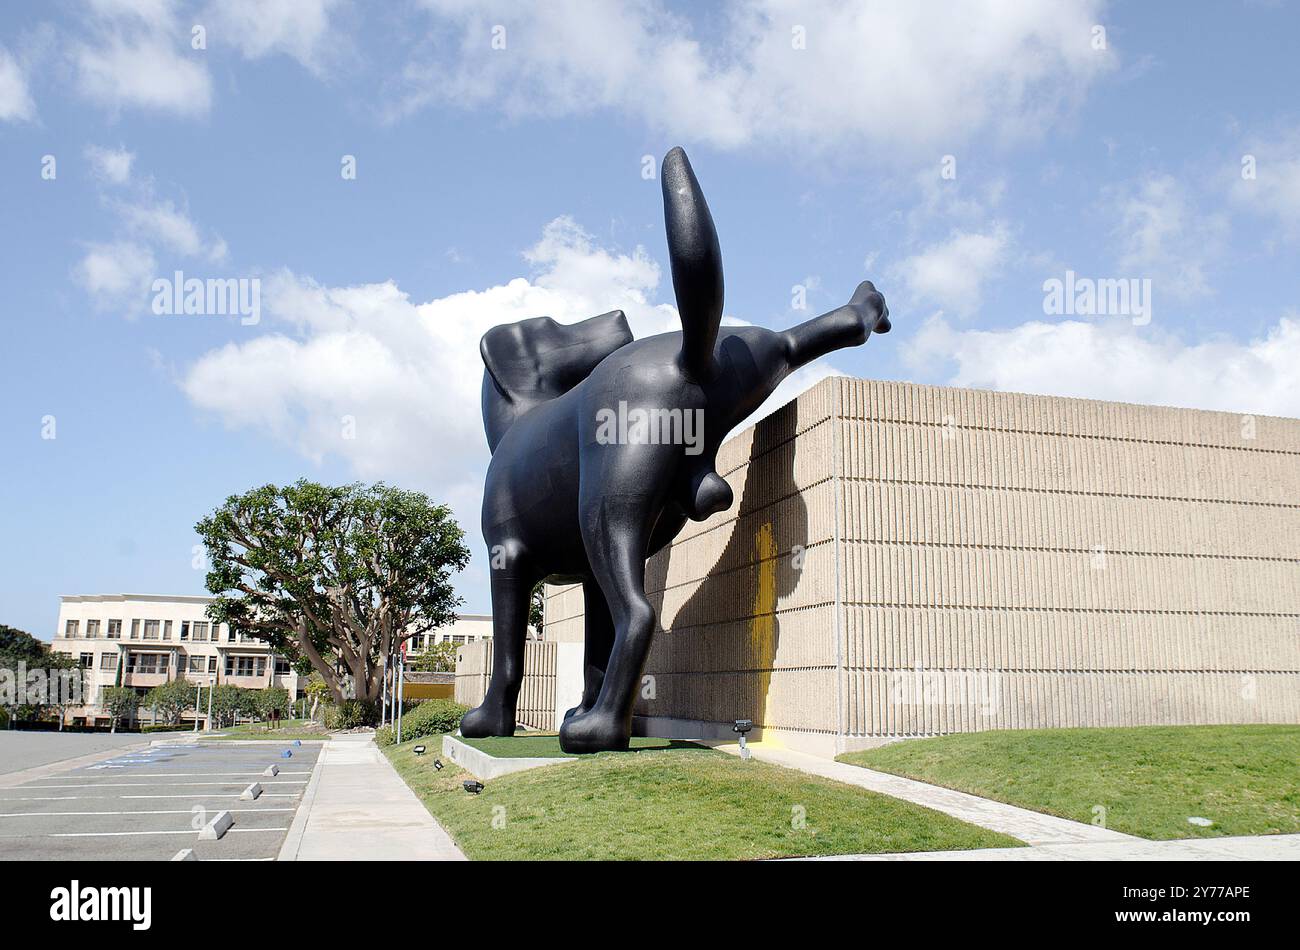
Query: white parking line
[[179, 811], [134, 834], [252, 773], [152, 784], [195, 795], [47, 798]]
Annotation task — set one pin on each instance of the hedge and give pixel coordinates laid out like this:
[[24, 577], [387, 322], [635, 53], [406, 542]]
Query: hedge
[[430, 718]]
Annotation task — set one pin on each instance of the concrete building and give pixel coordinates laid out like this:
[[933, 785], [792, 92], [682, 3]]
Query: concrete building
[[148, 639], [909, 560], [468, 628], [152, 638]]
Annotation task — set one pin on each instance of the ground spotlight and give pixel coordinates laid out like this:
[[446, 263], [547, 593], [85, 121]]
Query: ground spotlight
[[741, 727], [437, 765], [418, 750], [473, 786]]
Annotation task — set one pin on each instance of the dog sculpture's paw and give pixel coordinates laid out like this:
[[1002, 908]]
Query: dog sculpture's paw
[[569, 714], [593, 731], [484, 721]]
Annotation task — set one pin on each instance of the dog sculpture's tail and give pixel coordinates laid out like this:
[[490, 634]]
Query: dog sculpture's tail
[[696, 263]]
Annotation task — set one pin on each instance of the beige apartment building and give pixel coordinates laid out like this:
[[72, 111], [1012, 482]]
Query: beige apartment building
[[468, 628], [144, 640], [909, 560], [148, 639]]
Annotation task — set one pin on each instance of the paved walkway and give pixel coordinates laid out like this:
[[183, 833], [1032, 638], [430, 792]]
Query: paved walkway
[[1246, 848], [357, 806], [1031, 827]]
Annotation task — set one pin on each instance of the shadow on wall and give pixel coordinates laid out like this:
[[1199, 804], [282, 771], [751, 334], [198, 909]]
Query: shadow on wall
[[714, 656]]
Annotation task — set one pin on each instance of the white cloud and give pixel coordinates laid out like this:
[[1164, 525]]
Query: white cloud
[[953, 273], [1163, 236], [146, 70], [116, 270], [147, 227], [1275, 190], [15, 100], [1110, 360], [300, 29], [893, 77], [112, 165], [160, 223]]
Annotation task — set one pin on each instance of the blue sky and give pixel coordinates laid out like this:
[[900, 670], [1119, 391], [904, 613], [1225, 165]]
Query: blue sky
[[494, 184]]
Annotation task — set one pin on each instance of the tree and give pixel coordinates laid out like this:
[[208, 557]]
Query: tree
[[436, 658], [229, 701], [33, 676], [338, 575], [317, 691], [273, 703], [120, 702], [171, 699], [537, 608]]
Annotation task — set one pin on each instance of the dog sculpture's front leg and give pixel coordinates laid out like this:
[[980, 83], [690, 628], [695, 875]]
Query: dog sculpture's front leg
[[512, 588]]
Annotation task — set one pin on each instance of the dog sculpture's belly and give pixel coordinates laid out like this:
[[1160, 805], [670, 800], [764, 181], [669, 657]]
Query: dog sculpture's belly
[[531, 489]]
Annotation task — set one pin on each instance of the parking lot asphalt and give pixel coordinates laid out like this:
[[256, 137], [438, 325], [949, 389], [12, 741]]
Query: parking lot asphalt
[[25, 750], [148, 804]]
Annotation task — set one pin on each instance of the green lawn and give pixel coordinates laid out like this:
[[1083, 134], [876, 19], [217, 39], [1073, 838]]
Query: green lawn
[[679, 803], [1149, 780], [527, 745], [289, 730]]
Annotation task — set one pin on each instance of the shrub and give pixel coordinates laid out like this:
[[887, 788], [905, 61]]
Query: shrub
[[350, 714], [430, 718], [4, 717]]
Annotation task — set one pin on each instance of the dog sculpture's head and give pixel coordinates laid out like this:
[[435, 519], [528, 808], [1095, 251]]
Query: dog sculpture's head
[[536, 360]]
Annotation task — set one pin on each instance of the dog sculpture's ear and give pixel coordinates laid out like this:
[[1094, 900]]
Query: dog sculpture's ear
[[535, 360], [696, 261]]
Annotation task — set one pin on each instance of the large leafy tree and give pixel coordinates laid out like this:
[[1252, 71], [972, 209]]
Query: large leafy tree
[[338, 576], [28, 661], [171, 699]]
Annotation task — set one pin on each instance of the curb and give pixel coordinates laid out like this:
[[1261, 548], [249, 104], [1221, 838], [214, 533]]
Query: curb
[[298, 827], [484, 766]]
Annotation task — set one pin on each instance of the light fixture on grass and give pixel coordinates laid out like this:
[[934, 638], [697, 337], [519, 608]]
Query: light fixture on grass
[[742, 727], [473, 786]]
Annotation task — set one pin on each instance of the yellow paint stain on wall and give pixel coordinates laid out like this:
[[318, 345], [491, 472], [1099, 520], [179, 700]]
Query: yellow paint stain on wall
[[762, 623]]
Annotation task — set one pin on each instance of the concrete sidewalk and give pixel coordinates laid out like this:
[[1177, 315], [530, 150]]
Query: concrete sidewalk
[[1245, 848], [1031, 827], [357, 807]]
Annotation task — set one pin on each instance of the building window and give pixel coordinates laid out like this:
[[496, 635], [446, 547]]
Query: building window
[[196, 664], [135, 629], [282, 667], [146, 663], [92, 628], [70, 629], [108, 661], [212, 664], [151, 629], [115, 630], [200, 631], [87, 660], [167, 629], [185, 629], [245, 666], [216, 633]]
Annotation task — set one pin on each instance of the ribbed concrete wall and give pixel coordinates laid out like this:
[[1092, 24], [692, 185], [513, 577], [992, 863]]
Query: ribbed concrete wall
[[910, 560], [536, 696]]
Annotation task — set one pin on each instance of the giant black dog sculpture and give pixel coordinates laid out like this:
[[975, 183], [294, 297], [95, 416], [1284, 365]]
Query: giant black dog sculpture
[[603, 446]]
